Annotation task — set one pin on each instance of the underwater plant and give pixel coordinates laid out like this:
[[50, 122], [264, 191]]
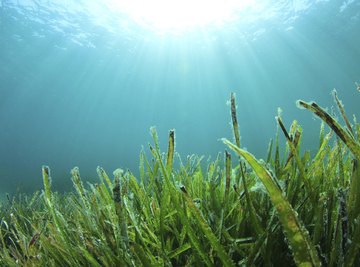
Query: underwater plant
[[284, 211]]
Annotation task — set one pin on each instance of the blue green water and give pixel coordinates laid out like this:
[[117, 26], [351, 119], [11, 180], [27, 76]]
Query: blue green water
[[81, 84]]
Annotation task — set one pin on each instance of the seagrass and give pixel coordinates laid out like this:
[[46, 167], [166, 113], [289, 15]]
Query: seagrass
[[295, 208]]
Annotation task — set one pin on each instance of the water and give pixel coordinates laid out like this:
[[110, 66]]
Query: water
[[82, 82]]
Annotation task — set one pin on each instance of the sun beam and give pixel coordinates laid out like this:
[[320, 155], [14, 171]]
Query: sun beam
[[181, 15]]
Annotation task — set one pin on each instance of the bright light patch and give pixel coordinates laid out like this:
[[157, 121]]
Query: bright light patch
[[181, 15]]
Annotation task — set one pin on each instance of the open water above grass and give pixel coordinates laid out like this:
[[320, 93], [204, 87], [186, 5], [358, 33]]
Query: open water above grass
[[81, 82]]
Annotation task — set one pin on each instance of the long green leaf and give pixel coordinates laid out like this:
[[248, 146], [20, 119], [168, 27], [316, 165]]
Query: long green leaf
[[224, 257], [304, 251], [344, 135]]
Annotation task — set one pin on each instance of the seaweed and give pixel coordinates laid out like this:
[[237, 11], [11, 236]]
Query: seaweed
[[289, 210]]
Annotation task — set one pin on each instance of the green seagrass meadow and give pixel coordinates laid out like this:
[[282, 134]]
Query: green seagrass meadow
[[290, 209]]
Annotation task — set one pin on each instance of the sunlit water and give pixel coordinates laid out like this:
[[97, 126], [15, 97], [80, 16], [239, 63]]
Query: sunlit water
[[81, 82]]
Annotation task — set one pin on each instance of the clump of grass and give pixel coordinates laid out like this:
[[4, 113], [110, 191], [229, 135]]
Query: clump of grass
[[295, 210]]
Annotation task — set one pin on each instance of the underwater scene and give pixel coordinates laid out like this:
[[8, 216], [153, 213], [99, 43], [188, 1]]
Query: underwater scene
[[179, 133]]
